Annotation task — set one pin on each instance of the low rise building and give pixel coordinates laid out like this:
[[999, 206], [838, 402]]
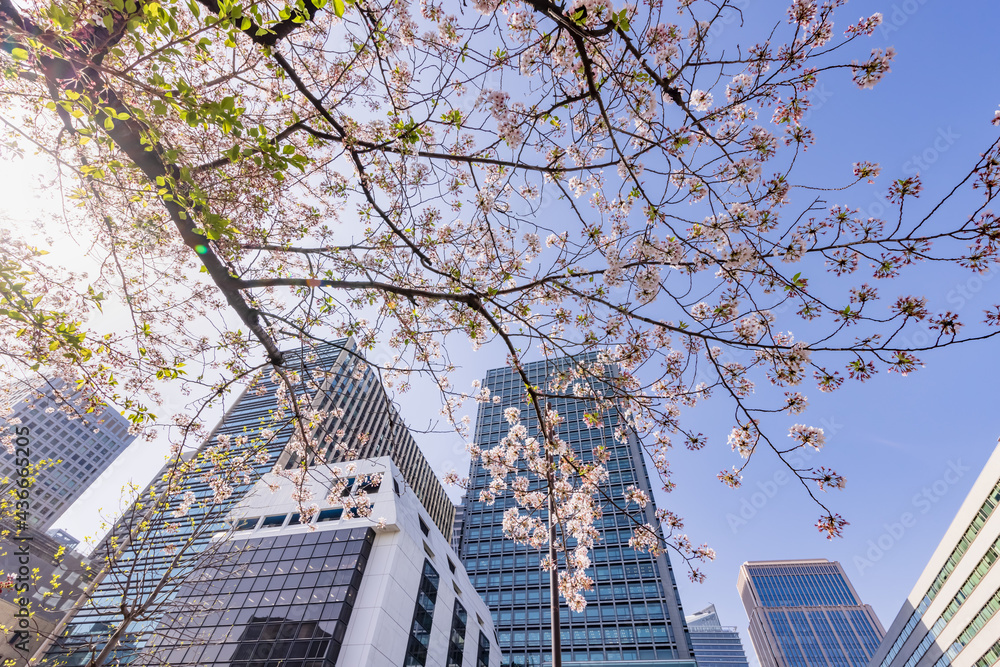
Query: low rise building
[[41, 580], [342, 589]]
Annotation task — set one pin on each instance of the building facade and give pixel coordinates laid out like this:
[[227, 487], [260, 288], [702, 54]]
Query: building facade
[[381, 591], [806, 613], [329, 377], [68, 447], [56, 579], [632, 614], [459, 526], [952, 615], [714, 644], [63, 537]]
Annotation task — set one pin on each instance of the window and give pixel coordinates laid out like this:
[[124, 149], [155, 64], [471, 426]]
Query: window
[[271, 630], [456, 641], [451, 566], [247, 524], [347, 488], [423, 527], [371, 486], [423, 616], [273, 521], [331, 514], [483, 656]]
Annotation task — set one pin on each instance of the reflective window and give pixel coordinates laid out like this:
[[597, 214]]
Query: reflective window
[[423, 617], [483, 655], [284, 614], [331, 514], [456, 640]]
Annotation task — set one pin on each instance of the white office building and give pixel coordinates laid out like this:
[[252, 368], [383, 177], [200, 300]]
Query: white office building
[[952, 616], [382, 591]]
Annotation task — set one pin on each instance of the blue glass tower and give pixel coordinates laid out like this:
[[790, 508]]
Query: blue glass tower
[[633, 613], [806, 613]]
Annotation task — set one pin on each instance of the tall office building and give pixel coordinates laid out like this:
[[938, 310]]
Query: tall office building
[[633, 613], [459, 526], [80, 446], [331, 378], [341, 590], [714, 644], [952, 615], [806, 613]]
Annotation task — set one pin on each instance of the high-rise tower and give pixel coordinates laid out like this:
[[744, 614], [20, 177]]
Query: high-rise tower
[[360, 415], [714, 644], [806, 613], [80, 446], [633, 613]]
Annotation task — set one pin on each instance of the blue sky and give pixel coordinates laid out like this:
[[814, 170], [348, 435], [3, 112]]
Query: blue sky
[[893, 437], [906, 445]]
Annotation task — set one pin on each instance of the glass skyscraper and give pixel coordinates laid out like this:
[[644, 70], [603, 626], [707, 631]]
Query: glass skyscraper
[[806, 613], [334, 380], [714, 644], [633, 613]]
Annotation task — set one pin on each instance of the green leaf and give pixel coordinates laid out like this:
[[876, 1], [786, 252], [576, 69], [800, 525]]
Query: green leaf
[[19, 54], [339, 8]]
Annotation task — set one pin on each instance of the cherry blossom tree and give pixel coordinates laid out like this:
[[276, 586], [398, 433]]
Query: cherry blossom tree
[[550, 178]]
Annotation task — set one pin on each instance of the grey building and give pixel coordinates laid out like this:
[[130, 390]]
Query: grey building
[[63, 538], [714, 644], [331, 377], [633, 612], [69, 447], [57, 578], [806, 613]]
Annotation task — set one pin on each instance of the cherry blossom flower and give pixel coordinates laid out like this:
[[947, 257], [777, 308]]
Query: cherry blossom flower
[[867, 170], [701, 100], [869, 73], [807, 435]]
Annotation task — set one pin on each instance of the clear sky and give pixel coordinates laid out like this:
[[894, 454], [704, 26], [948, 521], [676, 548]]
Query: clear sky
[[894, 438]]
